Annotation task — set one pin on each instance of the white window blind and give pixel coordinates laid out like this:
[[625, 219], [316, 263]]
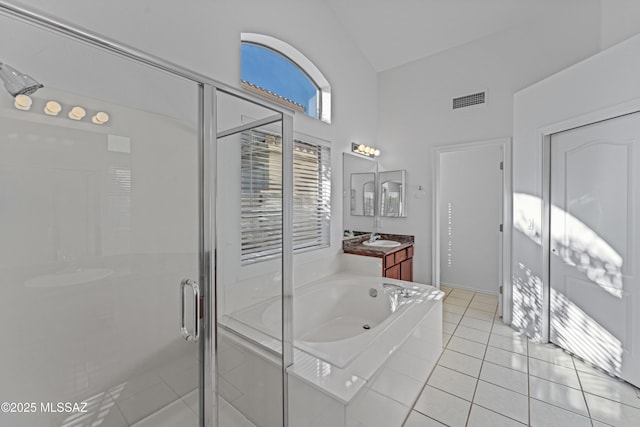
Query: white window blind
[[261, 196]]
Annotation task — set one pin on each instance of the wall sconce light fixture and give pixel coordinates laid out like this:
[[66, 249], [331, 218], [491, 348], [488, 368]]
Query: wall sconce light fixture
[[364, 150]]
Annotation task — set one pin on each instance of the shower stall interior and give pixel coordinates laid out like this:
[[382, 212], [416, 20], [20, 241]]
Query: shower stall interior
[[120, 192]]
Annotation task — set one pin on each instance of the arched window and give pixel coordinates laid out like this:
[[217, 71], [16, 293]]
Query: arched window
[[277, 71]]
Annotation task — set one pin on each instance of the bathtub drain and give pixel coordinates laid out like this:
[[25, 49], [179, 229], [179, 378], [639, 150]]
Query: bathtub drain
[[366, 327]]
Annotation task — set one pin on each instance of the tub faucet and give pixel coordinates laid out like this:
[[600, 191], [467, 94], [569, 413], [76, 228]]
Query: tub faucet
[[374, 236], [404, 292]]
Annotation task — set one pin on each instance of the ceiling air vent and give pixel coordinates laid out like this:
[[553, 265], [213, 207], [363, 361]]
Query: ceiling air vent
[[469, 100]]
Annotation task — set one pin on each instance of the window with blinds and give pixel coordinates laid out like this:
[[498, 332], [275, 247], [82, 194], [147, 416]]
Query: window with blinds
[[261, 196]]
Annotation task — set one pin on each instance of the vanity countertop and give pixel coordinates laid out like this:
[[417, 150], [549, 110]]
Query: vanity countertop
[[354, 245]]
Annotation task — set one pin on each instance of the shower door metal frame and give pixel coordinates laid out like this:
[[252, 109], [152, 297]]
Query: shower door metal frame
[[207, 141]]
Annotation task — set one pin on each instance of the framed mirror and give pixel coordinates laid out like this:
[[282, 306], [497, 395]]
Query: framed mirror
[[391, 193], [363, 194]]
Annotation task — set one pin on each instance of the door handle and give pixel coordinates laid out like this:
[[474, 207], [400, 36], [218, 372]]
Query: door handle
[[191, 336]]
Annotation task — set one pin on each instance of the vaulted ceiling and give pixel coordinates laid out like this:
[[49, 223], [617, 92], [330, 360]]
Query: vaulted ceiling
[[394, 32]]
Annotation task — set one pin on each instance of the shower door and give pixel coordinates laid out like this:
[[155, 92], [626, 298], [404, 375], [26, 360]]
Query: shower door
[[253, 279], [99, 240]]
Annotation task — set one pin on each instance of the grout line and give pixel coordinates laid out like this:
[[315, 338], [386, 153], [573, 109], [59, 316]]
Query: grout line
[[473, 397]]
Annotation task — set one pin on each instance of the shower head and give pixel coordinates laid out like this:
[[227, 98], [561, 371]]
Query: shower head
[[17, 83]]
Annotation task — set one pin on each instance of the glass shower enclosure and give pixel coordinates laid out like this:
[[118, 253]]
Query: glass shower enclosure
[[115, 291]]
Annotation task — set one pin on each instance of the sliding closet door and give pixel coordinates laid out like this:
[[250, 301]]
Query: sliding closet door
[[99, 254], [595, 235]]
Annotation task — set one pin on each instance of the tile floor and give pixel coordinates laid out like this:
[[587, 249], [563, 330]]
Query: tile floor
[[490, 375]]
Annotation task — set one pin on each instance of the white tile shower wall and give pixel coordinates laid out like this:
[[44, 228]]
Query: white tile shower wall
[[386, 398]]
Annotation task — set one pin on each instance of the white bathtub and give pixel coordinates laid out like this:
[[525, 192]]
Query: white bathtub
[[336, 318], [337, 360]]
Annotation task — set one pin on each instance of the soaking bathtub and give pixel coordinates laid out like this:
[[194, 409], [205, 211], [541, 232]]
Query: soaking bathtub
[[351, 333]]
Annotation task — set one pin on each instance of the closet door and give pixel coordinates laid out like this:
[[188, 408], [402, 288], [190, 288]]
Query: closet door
[[595, 233]]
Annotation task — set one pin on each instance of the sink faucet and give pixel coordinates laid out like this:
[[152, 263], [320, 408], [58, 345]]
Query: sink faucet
[[374, 236]]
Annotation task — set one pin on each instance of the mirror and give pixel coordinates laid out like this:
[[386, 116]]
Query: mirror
[[391, 194], [357, 172], [363, 194]]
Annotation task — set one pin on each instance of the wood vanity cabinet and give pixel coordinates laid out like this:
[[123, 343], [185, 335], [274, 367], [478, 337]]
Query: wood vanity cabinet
[[399, 264]]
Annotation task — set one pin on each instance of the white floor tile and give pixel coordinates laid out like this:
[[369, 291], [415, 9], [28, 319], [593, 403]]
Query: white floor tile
[[453, 382], [443, 407], [375, 410], [486, 298], [228, 416], [192, 400], [461, 293], [460, 362], [479, 314], [502, 401], [471, 334], [451, 317], [550, 353], [176, 414], [507, 359], [147, 402], [546, 415], [397, 386], [482, 417], [452, 308], [446, 289], [451, 299], [133, 386], [448, 328], [610, 412], [588, 368], [467, 347], [555, 373], [611, 389], [416, 419], [515, 345], [500, 328], [489, 308], [504, 377], [445, 340], [558, 395], [483, 325]]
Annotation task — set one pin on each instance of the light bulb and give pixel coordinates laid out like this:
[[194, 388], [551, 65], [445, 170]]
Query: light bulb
[[376, 153], [77, 113], [23, 102], [100, 118], [52, 108], [361, 147]]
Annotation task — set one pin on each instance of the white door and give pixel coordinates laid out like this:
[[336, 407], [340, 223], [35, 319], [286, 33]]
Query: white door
[[470, 214], [595, 230]]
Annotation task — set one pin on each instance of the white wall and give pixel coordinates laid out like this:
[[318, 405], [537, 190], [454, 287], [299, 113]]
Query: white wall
[[619, 21], [414, 103], [603, 85], [205, 36]]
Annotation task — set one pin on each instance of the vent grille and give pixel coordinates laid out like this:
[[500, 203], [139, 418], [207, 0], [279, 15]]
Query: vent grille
[[469, 100]]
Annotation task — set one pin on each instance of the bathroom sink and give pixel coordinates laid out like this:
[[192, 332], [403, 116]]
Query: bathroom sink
[[383, 243]]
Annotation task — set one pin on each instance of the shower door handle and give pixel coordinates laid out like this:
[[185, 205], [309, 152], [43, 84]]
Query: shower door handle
[[191, 336]]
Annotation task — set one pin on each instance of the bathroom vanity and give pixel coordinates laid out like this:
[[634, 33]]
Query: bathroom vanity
[[397, 260]]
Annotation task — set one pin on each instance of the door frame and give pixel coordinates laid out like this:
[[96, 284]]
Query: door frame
[[544, 136], [504, 273]]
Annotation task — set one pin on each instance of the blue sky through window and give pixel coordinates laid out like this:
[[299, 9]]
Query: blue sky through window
[[269, 70]]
